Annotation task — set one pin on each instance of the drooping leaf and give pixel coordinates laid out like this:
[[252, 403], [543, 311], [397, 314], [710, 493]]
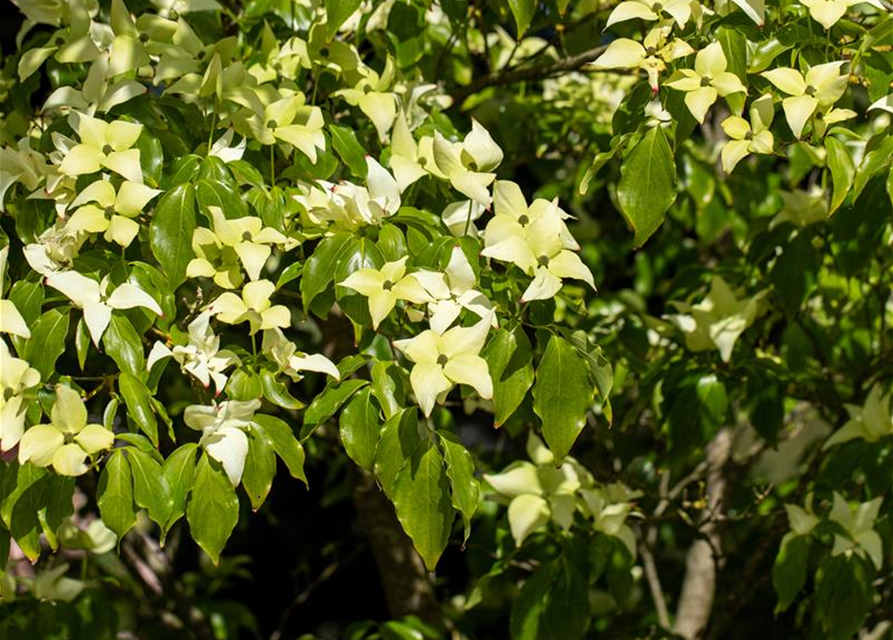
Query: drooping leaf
[[510, 360], [337, 11], [151, 490], [647, 184], [124, 345], [789, 570], [115, 494], [284, 443], [421, 498], [170, 232], [360, 427], [179, 472], [213, 508], [465, 489], [399, 440], [562, 395], [48, 338], [523, 12], [843, 171], [260, 467], [139, 409]]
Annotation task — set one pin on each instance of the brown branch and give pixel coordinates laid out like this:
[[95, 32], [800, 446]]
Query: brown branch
[[699, 585], [536, 72]]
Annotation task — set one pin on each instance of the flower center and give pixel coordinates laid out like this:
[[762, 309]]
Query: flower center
[[109, 212], [650, 51], [367, 89], [543, 261], [60, 42], [423, 161], [442, 359], [748, 135], [173, 15], [324, 52], [144, 37], [523, 220], [819, 116], [387, 285], [810, 90], [656, 7], [201, 54], [107, 149], [272, 124], [68, 438], [473, 166], [246, 236], [705, 81]]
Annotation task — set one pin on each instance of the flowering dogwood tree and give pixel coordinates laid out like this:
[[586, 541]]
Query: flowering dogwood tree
[[236, 235]]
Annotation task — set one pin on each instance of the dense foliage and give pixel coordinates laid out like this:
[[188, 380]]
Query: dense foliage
[[360, 242]]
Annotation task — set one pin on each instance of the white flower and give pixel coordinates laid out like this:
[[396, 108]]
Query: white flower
[[290, 361], [16, 375], [223, 432], [11, 321], [453, 291], [201, 356], [97, 305]]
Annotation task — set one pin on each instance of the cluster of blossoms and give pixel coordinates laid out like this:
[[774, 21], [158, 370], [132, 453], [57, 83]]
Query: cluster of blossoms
[[807, 98], [105, 195]]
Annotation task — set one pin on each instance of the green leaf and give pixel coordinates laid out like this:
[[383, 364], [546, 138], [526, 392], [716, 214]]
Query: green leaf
[[523, 11], [789, 570], [399, 440], [213, 509], [843, 595], [388, 388], [360, 427], [465, 489], [216, 193], [843, 171], [124, 345], [170, 232], [510, 360], [151, 490], [562, 395], [260, 467], [421, 498], [277, 392], [20, 509], [284, 443], [82, 342], [320, 267], [647, 184], [139, 409], [28, 299], [328, 402], [115, 495], [349, 149], [179, 472], [47, 342], [529, 606], [337, 11], [59, 505], [734, 46]]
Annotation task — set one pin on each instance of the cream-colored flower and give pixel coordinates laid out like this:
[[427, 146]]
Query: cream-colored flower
[[223, 429], [372, 95], [748, 137], [384, 287], [828, 12], [104, 145], [651, 56], [68, 441], [467, 165], [201, 356], [11, 321], [870, 422], [101, 210], [253, 306], [95, 301], [707, 81], [444, 360], [679, 10], [16, 376], [822, 86], [453, 291], [291, 361]]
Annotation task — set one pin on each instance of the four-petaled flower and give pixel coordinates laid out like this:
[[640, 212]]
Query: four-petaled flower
[[453, 291], [828, 12], [651, 56], [679, 10], [371, 94], [467, 164], [254, 306], [201, 356], [68, 440], [748, 137], [223, 432], [104, 145], [289, 120], [822, 86], [707, 81], [97, 305], [101, 210], [291, 361], [870, 422], [16, 376], [444, 360], [384, 287]]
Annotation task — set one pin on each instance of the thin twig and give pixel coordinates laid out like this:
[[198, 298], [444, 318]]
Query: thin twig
[[537, 72]]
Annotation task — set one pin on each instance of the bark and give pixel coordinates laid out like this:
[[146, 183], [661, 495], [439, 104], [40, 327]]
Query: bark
[[699, 585], [404, 579]]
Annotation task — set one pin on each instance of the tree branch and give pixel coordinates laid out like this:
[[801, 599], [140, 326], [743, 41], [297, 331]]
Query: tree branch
[[699, 585], [537, 72]]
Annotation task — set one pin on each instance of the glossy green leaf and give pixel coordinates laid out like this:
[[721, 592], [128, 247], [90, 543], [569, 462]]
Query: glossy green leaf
[[510, 360], [647, 184], [284, 443], [213, 508], [179, 472], [349, 149], [843, 171], [523, 12], [124, 345], [562, 395], [151, 490], [421, 497], [139, 409], [337, 11], [260, 467], [328, 402], [115, 494], [465, 489], [789, 570], [320, 267], [170, 233], [48, 339], [360, 427], [399, 440]]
